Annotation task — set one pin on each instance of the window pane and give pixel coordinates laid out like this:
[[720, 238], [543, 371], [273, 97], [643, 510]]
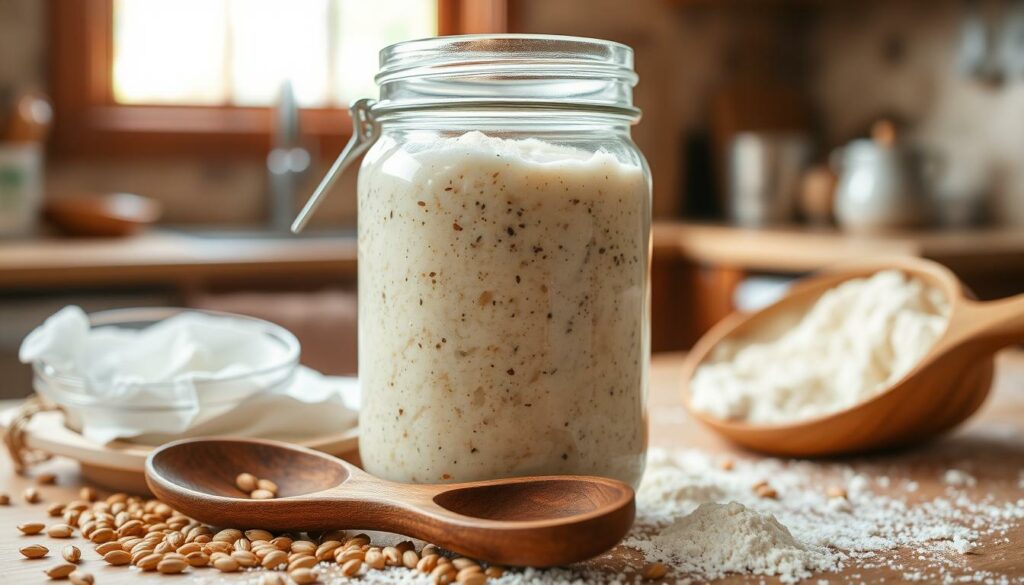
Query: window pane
[[274, 40], [238, 52], [364, 28], [169, 52]]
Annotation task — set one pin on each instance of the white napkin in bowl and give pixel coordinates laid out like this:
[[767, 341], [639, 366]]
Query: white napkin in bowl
[[186, 347], [192, 374], [312, 405]]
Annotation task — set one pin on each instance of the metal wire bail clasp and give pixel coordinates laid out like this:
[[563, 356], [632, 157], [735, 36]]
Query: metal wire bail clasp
[[365, 130]]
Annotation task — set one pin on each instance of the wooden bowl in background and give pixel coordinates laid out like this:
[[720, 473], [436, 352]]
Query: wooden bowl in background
[[107, 215]]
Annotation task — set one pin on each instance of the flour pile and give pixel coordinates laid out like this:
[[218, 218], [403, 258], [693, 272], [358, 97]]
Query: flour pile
[[718, 539], [857, 338]]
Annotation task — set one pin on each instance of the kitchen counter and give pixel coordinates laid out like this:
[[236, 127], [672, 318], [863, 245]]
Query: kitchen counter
[[171, 258], [991, 446], [696, 267], [798, 249], [162, 256]]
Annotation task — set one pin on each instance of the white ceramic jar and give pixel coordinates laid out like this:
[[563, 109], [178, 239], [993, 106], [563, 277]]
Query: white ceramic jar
[[504, 236]]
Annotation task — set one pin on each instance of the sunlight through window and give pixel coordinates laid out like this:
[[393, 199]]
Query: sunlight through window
[[238, 52]]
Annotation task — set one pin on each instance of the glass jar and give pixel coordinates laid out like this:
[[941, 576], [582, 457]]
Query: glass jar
[[504, 236]]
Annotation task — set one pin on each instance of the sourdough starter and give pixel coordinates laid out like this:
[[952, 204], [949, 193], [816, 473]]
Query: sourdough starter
[[502, 308]]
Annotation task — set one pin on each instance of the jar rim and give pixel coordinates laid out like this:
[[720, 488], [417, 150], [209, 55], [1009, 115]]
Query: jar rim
[[496, 51], [384, 111], [507, 71]]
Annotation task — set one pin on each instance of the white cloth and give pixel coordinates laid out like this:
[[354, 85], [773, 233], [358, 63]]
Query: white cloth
[[193, 374]]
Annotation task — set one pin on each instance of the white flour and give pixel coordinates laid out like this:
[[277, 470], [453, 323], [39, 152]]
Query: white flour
[[718, 539], [683, 517], [858, 338], [958, 477], [805, 531]]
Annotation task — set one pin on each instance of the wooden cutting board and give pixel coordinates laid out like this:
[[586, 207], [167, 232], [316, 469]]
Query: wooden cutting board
[[120, 465]]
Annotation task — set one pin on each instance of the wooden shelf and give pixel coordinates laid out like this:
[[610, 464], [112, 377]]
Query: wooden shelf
[[799, 249], [159, 257], [696, 267]]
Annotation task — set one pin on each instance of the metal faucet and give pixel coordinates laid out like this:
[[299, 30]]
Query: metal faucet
[[287, 161]]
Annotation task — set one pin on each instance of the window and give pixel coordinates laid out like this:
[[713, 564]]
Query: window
[[181, 77], [240, 51]]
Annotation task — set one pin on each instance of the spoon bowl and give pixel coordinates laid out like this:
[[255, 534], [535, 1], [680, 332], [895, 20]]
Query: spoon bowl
[[530, 521], [308, 471], [946, 386]]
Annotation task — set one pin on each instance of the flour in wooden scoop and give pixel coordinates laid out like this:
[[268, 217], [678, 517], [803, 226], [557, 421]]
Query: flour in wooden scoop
[[857, 339]]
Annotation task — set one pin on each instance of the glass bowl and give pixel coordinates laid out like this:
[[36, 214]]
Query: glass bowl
[[215, 394]]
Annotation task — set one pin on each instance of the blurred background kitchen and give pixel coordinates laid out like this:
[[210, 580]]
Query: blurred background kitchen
[[153, 151]]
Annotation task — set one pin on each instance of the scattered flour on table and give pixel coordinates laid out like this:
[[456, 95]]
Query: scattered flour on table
[[857, 338], [958, 477], [706, 522]]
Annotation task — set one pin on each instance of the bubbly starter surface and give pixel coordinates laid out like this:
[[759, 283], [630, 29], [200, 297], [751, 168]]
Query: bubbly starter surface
[[502, 310]]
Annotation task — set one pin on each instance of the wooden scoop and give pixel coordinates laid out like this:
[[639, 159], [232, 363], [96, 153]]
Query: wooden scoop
[[947, 385], [528, 521]]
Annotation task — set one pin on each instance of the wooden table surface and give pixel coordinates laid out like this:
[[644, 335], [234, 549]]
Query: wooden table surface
[[996, 464]]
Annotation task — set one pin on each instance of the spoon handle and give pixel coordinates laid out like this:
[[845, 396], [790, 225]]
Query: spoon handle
[[999, 323], [545, 525]]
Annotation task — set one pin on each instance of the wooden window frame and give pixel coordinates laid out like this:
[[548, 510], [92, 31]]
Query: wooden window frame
[[89, 123]]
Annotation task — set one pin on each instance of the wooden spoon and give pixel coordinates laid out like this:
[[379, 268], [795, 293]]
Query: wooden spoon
[[947, 385], [527, 521]]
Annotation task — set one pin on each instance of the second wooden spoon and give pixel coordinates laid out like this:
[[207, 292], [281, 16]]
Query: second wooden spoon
[[530, 521]]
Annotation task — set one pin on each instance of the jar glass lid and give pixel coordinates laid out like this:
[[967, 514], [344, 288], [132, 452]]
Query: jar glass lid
[[508, 70]]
